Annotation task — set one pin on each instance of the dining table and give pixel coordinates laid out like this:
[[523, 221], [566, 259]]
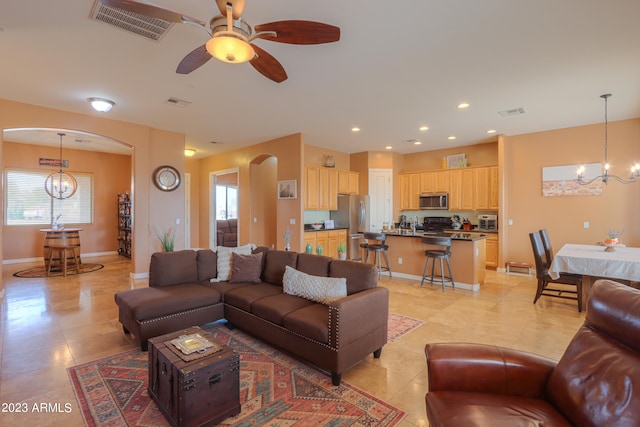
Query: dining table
[[595, 262]]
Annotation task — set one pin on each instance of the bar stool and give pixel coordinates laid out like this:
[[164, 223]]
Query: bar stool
[[441, 254], [379, 250], [62, 253]]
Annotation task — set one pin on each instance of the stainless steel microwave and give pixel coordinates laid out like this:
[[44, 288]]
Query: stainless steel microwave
[[434, 201]]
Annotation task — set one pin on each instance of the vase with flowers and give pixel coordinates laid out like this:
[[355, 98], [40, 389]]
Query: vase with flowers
[[287, 239], [614, 237]]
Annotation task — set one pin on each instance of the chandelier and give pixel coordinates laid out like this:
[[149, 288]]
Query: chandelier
[[606, 176], [60, 185]]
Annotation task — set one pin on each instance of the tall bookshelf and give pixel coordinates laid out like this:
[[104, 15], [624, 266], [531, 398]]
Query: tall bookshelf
[[124, 224]]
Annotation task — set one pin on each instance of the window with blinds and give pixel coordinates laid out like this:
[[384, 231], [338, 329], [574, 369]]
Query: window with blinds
[[27, 202]]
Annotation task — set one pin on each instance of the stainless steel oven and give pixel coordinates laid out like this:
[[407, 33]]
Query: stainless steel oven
[[439, 201]]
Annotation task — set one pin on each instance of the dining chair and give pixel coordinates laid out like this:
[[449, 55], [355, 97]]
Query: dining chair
[[546, 244], [544, 279]]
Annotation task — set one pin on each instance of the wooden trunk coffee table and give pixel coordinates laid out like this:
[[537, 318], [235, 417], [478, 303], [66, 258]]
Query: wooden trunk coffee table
[[200, 388]]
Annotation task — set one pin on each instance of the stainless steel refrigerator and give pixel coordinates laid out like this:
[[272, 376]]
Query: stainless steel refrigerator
[[353, 214]]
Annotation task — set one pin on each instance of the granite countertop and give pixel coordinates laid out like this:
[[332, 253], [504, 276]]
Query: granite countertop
[[475, 230], [457, 235], [324, 229]]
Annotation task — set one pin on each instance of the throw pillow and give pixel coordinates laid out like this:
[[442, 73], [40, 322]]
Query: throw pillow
[[246, 268], [224, 259], [324, 290]]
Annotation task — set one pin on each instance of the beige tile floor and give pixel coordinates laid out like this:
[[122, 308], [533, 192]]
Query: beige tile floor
[[48, 325]]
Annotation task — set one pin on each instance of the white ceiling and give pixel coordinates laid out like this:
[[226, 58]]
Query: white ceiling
[[398, 66]]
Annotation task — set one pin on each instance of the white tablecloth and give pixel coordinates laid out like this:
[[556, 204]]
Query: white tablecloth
[[592, 260]]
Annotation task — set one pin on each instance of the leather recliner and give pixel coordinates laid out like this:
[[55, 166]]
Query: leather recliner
[[595, 383]]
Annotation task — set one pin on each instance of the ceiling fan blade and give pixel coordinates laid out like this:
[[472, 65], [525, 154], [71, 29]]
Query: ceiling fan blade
[[150, 10], [194, 60], [268, 66], [236, 5], [300, 32]]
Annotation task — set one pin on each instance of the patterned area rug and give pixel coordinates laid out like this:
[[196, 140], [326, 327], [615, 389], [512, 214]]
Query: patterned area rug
[[275, 390], [398, 326], [71, 271]]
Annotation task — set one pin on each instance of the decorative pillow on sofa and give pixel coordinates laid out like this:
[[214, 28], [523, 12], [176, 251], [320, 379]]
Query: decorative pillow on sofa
[[224, 259], [246, 268], [324, 290]]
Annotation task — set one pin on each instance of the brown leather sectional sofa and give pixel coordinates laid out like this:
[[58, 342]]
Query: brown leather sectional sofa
[[595, 383], [333, 336]]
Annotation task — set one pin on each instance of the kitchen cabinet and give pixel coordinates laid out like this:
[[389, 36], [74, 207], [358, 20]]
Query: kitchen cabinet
[[461, 189], [492, 251], [410, 191], [486, 184], [348, 182], [327, 189], [328, 239], [311, 180]]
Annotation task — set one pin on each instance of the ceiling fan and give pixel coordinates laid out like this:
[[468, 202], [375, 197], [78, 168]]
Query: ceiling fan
[[232, 37]]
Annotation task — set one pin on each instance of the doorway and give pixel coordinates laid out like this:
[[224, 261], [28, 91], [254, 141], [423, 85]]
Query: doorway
[[380, 197], [224, 208]]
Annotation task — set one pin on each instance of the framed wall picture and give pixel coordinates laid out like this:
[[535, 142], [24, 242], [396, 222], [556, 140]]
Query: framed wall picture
[[288, 189]]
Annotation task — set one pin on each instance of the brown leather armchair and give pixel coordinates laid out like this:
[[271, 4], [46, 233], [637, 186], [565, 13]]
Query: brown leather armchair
[[595, 383], [227, 232]]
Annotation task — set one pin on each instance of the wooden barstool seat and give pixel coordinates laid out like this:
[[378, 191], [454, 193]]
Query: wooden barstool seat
[[62, 253]]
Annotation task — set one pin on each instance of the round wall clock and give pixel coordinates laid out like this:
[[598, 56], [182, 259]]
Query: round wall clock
[[166, 178]]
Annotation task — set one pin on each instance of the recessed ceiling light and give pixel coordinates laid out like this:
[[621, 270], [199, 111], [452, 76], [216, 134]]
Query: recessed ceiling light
[[388, 147], [463, 105], [355, 129], [452, 137], [424, 128], [189, 152], [491, 131], [417, 142]]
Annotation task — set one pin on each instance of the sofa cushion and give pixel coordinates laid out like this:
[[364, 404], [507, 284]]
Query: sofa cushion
[[274, 308], [324, 290], [447, 408], [311, 322], [244, 296], [149, 303], [224, 259], [316, 265], [274, 264], [207, 264], [246, 268], [360, 276], [172, 268]]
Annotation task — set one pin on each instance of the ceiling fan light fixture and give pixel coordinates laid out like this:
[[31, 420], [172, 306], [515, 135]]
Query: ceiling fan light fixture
[[101, 104], [230, 47]]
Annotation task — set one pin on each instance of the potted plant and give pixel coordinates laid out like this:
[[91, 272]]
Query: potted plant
[[167, 239], [342, 250]]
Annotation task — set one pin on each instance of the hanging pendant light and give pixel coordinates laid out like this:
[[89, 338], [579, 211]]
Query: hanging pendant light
[[60, 185], [606, 176]]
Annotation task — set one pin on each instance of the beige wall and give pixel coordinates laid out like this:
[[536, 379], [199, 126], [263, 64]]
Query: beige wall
[[264, 201], [192, 167], [111, 175], [316, 156], [617, 207], [151, 148], [477, 155], [289, 152]]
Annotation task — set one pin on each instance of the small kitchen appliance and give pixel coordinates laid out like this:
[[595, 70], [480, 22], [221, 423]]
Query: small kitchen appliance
[[488, 222]]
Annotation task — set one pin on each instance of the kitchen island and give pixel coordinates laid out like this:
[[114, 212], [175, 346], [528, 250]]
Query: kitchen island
[[468, 252]]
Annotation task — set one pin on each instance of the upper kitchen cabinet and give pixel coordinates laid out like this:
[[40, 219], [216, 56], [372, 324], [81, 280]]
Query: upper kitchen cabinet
[[486, 183], [461, 189], [311, 182], [434, 182], [322, 186], [410, 188], [348, 182]]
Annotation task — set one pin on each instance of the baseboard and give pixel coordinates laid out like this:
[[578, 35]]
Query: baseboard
[[41, 259], [460, 285], [139, 275]]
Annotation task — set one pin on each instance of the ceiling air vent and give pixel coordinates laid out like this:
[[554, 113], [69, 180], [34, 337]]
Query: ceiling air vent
[[512, 112], [145, 26], [177, 102]]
